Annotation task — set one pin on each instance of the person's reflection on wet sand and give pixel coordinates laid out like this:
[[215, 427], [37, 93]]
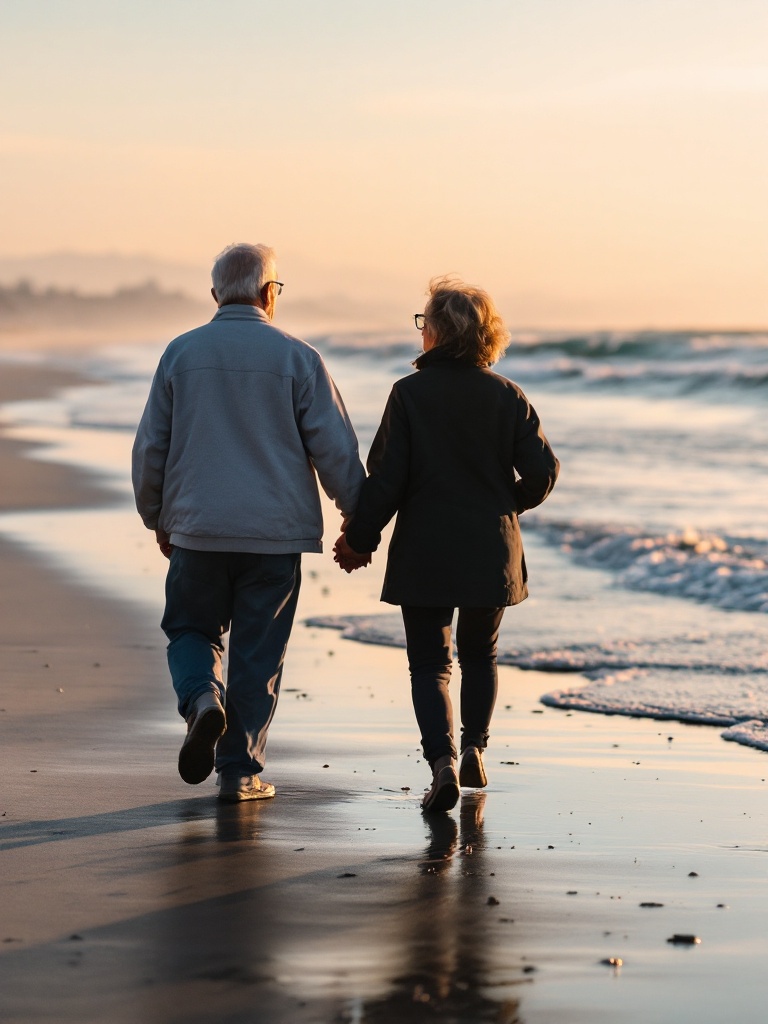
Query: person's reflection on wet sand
[[238, 823], [446, 937]]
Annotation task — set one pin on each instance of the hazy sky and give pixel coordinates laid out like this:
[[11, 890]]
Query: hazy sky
[[588, 161]]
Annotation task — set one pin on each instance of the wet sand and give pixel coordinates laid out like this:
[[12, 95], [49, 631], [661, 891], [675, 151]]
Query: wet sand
[[126, 895]]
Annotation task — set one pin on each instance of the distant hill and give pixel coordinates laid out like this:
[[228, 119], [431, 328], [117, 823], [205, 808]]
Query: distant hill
[[317, 298], [103, 273], [56, 315]]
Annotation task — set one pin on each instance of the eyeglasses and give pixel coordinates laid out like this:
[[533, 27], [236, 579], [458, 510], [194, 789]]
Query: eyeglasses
[[279, 284], [420, 320]]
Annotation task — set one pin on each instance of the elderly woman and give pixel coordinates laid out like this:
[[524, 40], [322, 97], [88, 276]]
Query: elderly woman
[[459, 455]]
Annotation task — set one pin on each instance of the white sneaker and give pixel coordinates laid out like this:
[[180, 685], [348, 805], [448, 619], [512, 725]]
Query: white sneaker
[[205, 725], [234, 788]]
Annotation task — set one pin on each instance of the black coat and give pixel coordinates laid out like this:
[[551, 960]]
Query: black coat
[[459, 455]]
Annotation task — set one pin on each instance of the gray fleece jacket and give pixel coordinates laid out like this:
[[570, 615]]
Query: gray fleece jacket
[[239, 418]]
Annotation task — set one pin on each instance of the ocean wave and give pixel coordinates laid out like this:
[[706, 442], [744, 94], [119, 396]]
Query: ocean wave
[[653, 346], [649, 346], [727, 573], [664, 362]]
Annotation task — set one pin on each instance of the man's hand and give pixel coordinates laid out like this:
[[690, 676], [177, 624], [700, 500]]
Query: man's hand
[[347, 558], [163, 542]]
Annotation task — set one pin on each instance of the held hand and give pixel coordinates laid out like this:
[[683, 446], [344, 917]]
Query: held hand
[[348, 559], [163, 542]]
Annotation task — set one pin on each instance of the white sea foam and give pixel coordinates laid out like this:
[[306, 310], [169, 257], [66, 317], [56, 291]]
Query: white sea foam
[[726, 572], [750, 734], [710, 698], [706, 698]]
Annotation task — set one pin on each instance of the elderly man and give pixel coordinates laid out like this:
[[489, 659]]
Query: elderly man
[[240, 418]]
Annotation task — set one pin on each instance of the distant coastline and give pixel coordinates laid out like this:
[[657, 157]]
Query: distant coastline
[[30, 314]]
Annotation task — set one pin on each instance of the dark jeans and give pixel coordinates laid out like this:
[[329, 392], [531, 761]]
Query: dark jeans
[[428, 640], [206, 593]]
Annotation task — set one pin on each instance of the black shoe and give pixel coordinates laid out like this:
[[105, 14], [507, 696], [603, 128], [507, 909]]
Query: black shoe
[[472, 771], [444, 792], [204, 727]]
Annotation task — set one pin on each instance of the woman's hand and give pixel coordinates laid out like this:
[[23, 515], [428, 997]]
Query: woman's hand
[[348, 559]]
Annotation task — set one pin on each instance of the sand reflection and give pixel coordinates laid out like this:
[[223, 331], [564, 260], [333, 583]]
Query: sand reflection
[[444, 930]]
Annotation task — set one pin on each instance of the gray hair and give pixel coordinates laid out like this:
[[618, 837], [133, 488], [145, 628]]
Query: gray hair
[[240, 272]]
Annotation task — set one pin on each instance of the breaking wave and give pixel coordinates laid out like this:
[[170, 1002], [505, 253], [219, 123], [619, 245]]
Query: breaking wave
[[659, 362], [729, 573]]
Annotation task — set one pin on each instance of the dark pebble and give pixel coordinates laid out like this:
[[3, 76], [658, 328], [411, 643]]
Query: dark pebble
[[492, 901]]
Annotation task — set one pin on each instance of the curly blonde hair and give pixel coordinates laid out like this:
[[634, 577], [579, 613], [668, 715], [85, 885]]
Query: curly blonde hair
[[465, 321]]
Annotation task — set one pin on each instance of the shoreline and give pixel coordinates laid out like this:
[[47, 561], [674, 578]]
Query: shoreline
[[128, 895]]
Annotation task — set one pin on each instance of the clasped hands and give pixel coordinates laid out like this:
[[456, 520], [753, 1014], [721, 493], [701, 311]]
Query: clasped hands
[[347, 558]]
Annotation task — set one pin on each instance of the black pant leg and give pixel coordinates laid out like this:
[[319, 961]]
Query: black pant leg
[[428, 640], [477, 634]]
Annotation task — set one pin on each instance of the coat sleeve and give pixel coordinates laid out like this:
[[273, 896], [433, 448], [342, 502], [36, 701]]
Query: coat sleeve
[[534, 461], [329, 440], [388, 467], [150, 451]]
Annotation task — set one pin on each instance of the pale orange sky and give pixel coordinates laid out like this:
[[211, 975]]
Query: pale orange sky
[[591, 163]]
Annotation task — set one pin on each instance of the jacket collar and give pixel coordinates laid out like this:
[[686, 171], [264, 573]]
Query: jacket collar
[[241, 311], [438, 356]]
